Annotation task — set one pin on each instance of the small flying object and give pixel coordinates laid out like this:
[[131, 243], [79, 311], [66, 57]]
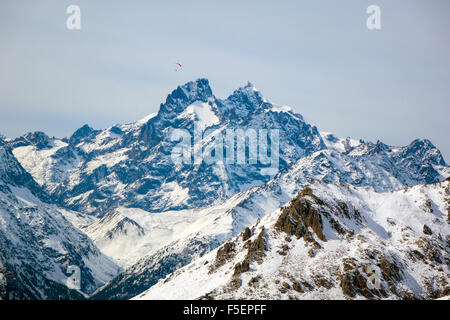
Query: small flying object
[[178, 66]]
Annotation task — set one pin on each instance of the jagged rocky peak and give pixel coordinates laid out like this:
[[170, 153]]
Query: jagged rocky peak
[[379, 147], [39, 139], [426, 150], [244, 101], [81, 133], [116, 130], [421, 149], [370, 148], [331, 137], [126, 226], [239, 105], [183, 96]]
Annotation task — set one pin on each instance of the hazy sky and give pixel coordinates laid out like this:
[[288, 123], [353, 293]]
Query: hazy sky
[[316, 56]]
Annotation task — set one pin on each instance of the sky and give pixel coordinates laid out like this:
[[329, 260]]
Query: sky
[[316, 56]]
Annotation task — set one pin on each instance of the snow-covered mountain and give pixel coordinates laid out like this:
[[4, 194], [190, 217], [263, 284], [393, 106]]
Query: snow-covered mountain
[[151, 216], [377, 166], [38, 244], [330, 242], [168, 241], [95, 171]]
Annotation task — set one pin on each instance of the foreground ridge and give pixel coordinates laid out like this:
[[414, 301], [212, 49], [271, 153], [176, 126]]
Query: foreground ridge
[[330, 242]]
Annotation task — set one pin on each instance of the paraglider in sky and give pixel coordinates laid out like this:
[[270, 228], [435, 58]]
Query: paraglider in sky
[[178, 66]]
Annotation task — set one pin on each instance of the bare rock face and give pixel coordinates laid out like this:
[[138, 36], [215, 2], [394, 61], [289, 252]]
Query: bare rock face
[[298, 216], [427, 230]]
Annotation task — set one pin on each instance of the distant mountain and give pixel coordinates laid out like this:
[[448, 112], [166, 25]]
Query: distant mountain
[[38, 244], [378, 166], [330, 242], [95, 171]]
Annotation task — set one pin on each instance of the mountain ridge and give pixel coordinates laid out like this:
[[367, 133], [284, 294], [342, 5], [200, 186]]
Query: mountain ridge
[[38, 243], [125, 187], [131, 165], [329, 242]]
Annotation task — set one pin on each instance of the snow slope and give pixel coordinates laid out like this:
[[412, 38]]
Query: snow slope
[[330, 242], [128, 234]]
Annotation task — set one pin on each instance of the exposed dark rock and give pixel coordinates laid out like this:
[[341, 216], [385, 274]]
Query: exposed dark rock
[[253, 281], [225, 253], [286, 285], [297, 287], [390, 272], [353, 283], [283, 250], [430, 249], [299, 215], [257, 247], [427, 230], [255, 252], [323, 282], [246, 234], [428, 206]]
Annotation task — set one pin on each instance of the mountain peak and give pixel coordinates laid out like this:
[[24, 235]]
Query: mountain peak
[[250, 85], [196, 89], [186, 94], [244, 100], [426, 150], [81, 133], [39, 139], [250, 89]]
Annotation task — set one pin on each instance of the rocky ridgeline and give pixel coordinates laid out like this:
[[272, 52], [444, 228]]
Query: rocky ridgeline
[[325, 244]]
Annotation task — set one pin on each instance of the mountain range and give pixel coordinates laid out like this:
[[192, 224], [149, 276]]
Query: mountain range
[[115, 204]]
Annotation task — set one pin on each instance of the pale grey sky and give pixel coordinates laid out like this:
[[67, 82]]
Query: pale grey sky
[[316, 56]]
